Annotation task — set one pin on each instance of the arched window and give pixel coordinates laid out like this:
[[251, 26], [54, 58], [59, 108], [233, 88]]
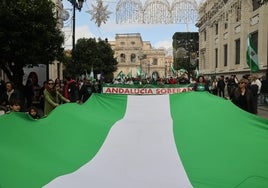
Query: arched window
[[132, 58], [122, 58]]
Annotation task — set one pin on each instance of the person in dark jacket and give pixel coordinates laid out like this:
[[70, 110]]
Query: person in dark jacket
[[221, 86], [86, 91], [264, 91], [11, 94], [242, 96]]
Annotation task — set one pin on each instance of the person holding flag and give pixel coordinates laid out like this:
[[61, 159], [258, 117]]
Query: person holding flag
[[201, 84]]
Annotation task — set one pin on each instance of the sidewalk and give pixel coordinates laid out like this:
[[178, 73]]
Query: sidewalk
[[263, 107], [263, 111]]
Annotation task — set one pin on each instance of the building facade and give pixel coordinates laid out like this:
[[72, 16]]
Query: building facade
[[134, 54], [223, 29], [55, 70]]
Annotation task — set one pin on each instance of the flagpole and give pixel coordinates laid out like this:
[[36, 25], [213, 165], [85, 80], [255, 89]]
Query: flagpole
[[250, 68], [248, 44]]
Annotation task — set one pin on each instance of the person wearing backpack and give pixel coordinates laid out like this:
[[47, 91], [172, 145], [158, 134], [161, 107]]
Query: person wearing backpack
[[242, 96]]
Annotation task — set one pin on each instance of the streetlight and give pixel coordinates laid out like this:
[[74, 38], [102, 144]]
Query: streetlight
[[76, 5]]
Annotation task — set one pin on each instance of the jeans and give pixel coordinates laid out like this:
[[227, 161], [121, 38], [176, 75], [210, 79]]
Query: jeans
[[264, 98]]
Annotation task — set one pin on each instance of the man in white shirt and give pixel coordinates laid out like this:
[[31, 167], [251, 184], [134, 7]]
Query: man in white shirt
[[255, 86]]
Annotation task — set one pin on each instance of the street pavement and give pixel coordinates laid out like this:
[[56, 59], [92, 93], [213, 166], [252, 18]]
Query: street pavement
[[263, 111]]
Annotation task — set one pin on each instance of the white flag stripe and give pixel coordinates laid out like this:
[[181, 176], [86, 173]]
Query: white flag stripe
[[139, 152]]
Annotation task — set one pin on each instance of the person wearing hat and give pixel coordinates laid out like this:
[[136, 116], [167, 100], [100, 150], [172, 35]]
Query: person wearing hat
[[242, 96]]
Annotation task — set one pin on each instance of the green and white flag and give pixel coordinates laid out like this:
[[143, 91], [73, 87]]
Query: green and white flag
[[121, 75], [124, 141], [139, 72], [129, 75], [173, 71], [252, 56], [183, 71], [196, 72], [91, 75]]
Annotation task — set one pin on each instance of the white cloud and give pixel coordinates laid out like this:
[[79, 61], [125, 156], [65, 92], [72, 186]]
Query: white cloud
[[80, 32], [163, 44]]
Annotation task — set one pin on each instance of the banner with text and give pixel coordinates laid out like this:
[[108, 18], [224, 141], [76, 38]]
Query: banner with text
[[145, 89]]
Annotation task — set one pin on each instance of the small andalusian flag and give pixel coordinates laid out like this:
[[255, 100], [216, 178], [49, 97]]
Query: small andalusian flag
[[252, 56], [121, 75], [196, 72], [172, 70], [128, 141], [129, 75], [139, 72], [91, 75]]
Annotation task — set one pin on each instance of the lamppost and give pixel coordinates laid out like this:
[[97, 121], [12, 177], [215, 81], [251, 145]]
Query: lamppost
[[76, 5]]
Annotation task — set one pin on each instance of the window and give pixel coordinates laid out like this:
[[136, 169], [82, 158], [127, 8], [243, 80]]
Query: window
[[237, 51], [122, 43], [254, 37], [225, 48], [205, 35], [226, 25], [226, 21], [216, 58], [132, 58], [122, 58], [238, 14], [155, 61], [133, 42], [216, 28], [255, 4]]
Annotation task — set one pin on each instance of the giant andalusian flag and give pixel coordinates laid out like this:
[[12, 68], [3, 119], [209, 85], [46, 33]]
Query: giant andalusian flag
[[191, 139]]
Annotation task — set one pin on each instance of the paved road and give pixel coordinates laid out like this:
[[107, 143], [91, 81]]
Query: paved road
[[263, 111]]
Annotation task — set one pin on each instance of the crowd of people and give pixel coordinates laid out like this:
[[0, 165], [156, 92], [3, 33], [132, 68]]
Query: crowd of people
[[246, 93], [39, 101]]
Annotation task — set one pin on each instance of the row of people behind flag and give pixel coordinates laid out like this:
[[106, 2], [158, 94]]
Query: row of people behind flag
[[54, 93], [47, 97], [245, 93]]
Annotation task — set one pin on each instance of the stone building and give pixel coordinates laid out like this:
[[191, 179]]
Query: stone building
[[223, 29], [132, 54], [55, 70]]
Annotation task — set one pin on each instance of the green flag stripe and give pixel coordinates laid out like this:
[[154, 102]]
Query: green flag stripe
[[219, 145], [35, 152]]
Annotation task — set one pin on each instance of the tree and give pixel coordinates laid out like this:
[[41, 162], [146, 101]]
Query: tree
[[89, 53], [186, 46], [28, 36]]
